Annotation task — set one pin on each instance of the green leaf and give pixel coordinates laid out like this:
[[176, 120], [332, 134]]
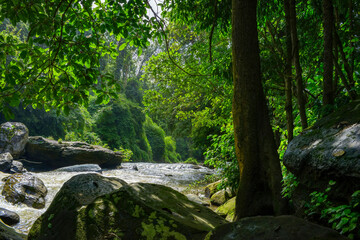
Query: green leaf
[[31, 42], [99, 99], [23, 54], [14, 102], [88, 63], [122, 46], [66, 109]]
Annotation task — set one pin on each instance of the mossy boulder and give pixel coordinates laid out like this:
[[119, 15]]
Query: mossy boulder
[[56, 154], [220, 197], [330, 150], [227, 210], [24, 188], [273, 228], [211, 188], [134, 211]]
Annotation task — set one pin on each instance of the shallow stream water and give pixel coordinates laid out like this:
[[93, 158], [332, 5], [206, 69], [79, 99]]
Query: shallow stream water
[[177, 176]]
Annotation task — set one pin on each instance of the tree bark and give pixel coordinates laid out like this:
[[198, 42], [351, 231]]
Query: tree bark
[[288, 75], [296, 59], [259, 165], [328, 24]]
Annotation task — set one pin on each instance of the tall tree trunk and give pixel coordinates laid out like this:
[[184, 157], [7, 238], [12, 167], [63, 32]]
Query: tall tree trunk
[[288, 75], [351, 33], [328, 23], [296, 59], [336, 76], [260, 173]]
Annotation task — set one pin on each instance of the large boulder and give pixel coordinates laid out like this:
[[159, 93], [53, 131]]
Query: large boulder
[[134, 211], [9, 217], [13, 138], [273, 228], [24, 188], [56, 154], [330, 150]]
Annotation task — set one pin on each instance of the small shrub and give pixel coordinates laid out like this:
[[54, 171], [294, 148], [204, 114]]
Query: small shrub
[[191, 160], [289, 183], [343, 218], [126, 152], [207, 180], [221, 155]]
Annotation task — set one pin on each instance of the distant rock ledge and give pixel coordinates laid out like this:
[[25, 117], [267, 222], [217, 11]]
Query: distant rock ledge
[[54, 154]]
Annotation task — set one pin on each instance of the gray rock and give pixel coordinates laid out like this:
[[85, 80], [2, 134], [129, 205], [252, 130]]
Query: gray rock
[[54, 154], [5, 161], [9, 217], [81, 168], [273, 228], [8, 233], [135, 168], [134, 211], [13, 138], [197, 199], [330, 150], [83, 189], [24, 188], [17, 167]]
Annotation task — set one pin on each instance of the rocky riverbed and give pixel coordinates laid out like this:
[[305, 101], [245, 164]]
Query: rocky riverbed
[[177, 176]]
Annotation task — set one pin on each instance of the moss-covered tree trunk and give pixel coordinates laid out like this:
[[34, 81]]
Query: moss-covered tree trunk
[[260, 175]]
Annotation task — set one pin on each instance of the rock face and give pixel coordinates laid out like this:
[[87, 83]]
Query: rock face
[[134, 211], [330, 150], [13, 138], [273, 228], [54, 154], [5, 161], [24, 188], [8, 217]]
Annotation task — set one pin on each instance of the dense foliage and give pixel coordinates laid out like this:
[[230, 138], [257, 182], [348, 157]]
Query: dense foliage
[[161, 85]]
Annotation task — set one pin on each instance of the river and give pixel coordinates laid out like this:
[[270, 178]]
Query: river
[[176, 175]]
